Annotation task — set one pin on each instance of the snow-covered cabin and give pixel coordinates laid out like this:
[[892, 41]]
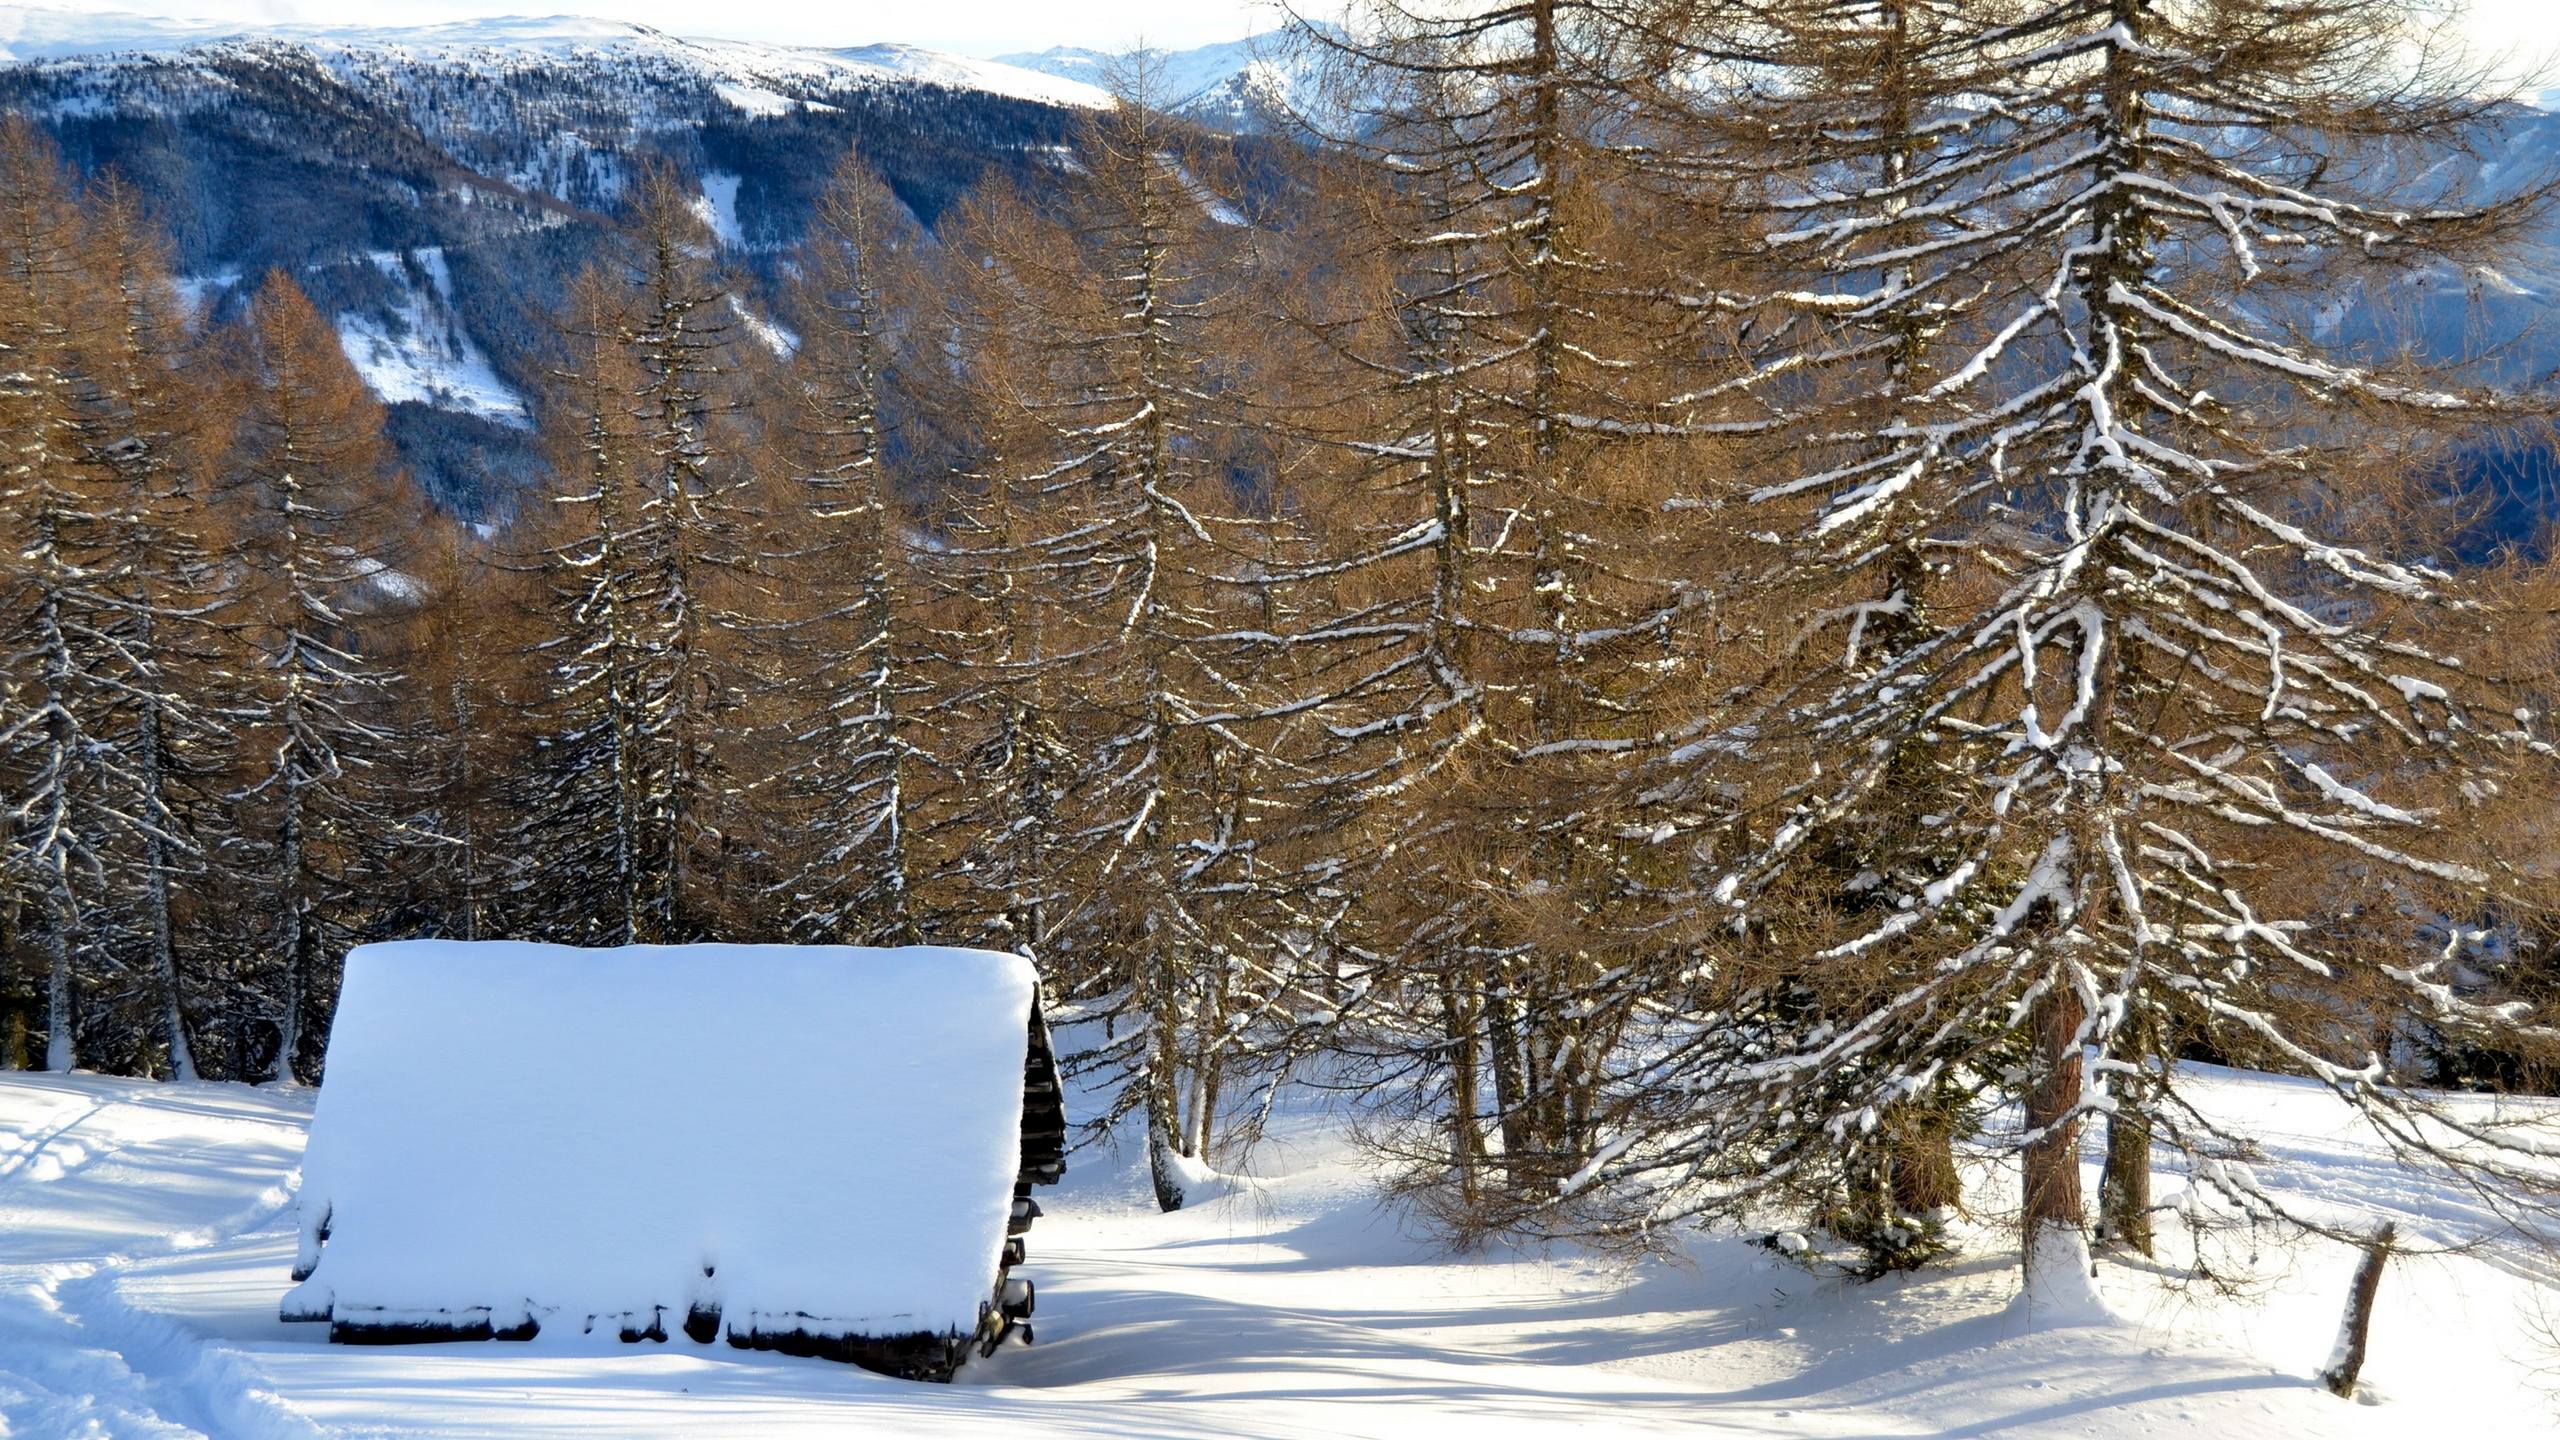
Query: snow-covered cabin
[[823, 1150]]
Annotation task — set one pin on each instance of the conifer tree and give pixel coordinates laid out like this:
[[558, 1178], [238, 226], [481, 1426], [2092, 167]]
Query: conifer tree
[[68, 812], [2146, 664], [1541, 356], [850, 764], [146, 427], [475, 679], [315, 470], [585, 791], [995, 694], [1113, 374], [644, 424]]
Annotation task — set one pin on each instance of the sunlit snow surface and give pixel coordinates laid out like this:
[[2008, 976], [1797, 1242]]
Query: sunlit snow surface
[[145, 1234]]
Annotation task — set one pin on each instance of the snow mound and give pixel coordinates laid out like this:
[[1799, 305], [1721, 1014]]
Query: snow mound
[[962, 72], [2061, 1288], [811, 1139]]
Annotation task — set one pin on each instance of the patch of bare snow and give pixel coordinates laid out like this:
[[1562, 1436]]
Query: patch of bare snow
[[718, 207], [423, 355]]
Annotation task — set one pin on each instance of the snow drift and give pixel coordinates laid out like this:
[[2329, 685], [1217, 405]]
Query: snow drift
[[814, 1141]]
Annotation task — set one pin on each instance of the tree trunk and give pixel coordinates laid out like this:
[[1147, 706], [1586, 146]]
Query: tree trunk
[[2124, 1189], [13, 1046], [1508, 1100], [1925, 1181], [2054, 1214], [1204, 1063], [164, 961], [296, 923], [1161, 1168], [58, 1051], [1461, 1024], [289, 1004]]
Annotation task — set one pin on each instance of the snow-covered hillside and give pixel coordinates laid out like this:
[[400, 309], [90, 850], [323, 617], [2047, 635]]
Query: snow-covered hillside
[[421, 352], [753, 77], [145, 1236], [435, 186]]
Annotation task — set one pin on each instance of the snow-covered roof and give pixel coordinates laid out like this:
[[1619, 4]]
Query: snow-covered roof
[[821, 1139]]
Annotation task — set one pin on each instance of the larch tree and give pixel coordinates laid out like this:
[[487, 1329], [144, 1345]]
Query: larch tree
[[849, 630], [478, 682], [70, 811], [147, 426], [1525, 388], [584, 791], [2160, 657], [315, 471], [654, 472], [987, 658], [1795, 117], [679, 334], [1113, 376]]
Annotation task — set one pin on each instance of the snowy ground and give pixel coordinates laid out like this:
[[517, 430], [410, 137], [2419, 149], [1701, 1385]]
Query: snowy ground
[[145, 1234]]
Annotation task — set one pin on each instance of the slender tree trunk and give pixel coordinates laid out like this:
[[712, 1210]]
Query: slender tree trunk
[[13, 1045], [1212, 1077], [2124, 1189], [296, 922], [164, 965], [1462, 1018], [1509, 1101], [155, 866], [62, 907], [1161, 1169], [64, 918], [1204, 1070]]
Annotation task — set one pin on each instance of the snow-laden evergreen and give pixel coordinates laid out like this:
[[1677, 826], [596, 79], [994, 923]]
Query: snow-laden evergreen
[[851, 657], [2142, 655]]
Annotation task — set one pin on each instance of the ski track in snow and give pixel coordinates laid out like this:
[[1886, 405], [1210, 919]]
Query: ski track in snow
[[146, 1232], [98, 1175]]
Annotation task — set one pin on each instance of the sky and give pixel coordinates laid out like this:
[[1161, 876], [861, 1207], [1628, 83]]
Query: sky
[[2522, 35]]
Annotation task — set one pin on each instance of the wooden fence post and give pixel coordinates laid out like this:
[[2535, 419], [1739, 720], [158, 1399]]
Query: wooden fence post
[[2354, 1326]]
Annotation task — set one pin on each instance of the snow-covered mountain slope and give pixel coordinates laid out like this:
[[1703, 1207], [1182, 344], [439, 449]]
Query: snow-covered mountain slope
[[434, 187], [758, 76], [1246, 84], [146, 1236], [419, 351], [502, 146]]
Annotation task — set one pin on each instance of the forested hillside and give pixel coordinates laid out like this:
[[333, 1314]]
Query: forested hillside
[[435, 189], [1691, 603]]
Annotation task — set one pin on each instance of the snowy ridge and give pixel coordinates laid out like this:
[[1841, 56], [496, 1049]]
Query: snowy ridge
[[757, 79], [1239, 84]]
